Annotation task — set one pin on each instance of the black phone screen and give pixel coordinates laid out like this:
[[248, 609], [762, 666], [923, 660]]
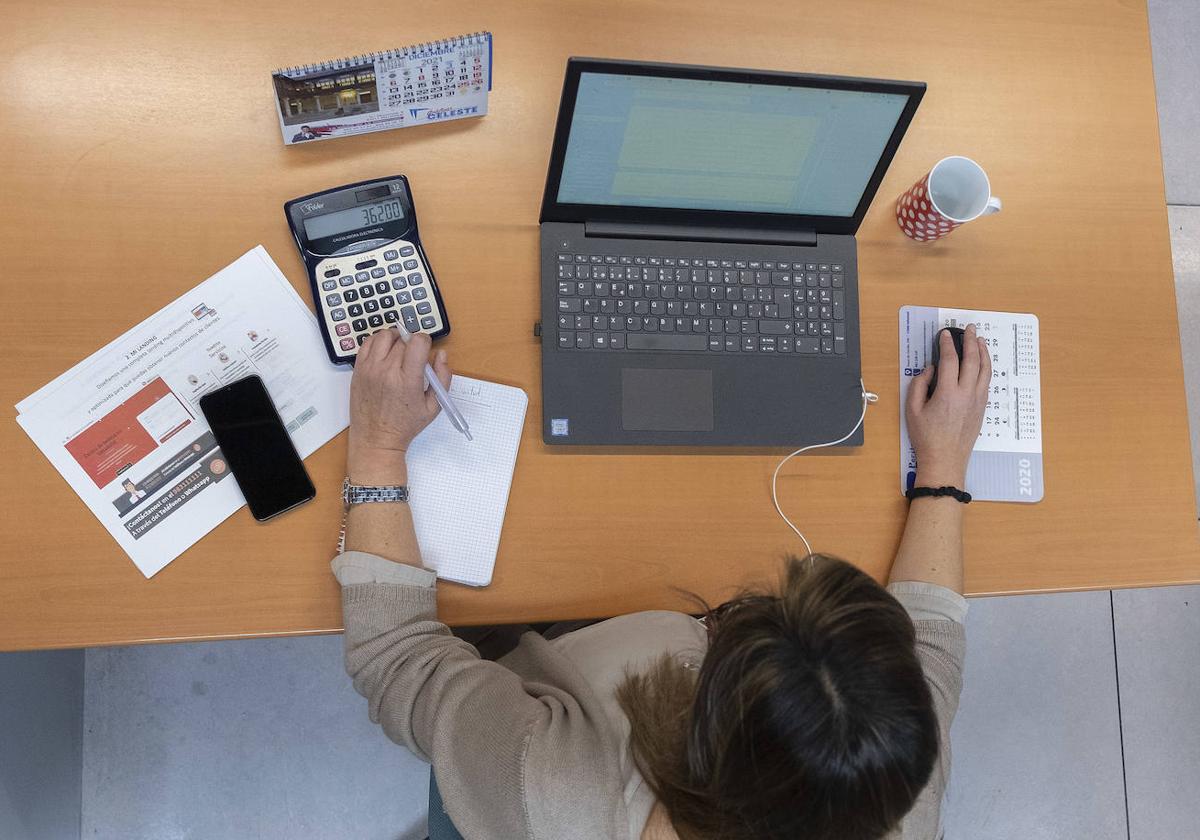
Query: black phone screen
[[260, 452]]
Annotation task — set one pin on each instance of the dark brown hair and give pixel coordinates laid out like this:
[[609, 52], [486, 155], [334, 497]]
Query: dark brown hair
[[809, 718]]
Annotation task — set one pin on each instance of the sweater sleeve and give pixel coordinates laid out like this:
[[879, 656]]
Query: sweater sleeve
[[492, 735], [941, 649]]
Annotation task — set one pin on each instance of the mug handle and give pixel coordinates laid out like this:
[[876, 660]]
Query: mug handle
[[994, 205]]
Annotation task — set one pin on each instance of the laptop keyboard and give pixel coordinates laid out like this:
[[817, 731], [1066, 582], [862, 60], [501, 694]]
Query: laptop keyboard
[[686, 304]]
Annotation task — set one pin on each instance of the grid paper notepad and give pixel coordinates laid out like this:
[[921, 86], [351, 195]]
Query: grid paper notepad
[[460, 487]]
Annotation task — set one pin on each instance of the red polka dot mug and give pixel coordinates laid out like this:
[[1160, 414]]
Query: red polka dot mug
[[954, 192]]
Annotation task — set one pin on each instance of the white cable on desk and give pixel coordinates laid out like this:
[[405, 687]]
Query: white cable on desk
[[867, 397]]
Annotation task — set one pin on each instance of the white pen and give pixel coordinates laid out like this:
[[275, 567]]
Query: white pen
[[440, 392]]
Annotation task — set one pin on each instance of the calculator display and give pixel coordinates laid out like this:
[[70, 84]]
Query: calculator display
[[356, 218]]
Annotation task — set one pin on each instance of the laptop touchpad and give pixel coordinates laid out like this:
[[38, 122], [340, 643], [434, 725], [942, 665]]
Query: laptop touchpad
[[666, 400]]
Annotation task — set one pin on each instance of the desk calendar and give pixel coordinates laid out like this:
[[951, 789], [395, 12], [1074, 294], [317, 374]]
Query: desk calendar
[[417, 85], [1006, 464]]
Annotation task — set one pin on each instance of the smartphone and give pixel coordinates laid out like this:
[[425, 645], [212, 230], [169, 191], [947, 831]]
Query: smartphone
[[261, 455]]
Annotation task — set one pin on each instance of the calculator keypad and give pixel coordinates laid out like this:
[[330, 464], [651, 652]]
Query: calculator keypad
[[363, 293]]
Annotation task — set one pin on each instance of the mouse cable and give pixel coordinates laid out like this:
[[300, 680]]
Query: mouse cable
[[867, 397]]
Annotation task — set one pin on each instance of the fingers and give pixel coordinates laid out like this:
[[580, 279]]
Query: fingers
[[395, 355], [947, 358], [968, 371], [985, 366], [416, 356], [374, 348], [918, 390], [442, 369]]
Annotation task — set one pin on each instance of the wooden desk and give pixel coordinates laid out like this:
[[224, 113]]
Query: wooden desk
[[139, 152]]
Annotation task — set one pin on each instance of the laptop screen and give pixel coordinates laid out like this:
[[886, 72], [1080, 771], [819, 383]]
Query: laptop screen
[[652, 141]]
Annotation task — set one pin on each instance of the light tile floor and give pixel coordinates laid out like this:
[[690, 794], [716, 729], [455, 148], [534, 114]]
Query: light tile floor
[[267, 739], [1158, 665], [1185, 246], [263, 738], [1175, 38], [1037, 741]]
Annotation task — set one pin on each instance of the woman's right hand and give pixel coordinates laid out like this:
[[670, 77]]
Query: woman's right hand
[[943, 428], [389, 405]]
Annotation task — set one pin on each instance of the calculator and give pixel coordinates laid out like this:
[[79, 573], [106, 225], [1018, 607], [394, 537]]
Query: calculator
[[366, 266]]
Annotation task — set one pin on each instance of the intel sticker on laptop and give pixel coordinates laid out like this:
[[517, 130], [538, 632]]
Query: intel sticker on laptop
[[560, 426]]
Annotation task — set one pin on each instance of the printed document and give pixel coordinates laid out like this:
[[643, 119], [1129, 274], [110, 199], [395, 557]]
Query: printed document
[[124, 426]]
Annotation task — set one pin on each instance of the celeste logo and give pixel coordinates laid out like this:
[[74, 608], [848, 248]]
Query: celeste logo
[[431, 114]]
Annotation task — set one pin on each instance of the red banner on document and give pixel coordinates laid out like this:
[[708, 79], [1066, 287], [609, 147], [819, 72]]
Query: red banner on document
[[129, 432]]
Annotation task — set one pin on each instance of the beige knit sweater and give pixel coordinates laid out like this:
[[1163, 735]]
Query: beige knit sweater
[[522, 747]]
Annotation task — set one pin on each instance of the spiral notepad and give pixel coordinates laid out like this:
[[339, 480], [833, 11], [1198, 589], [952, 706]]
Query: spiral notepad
[[460, 487], [416, 85]]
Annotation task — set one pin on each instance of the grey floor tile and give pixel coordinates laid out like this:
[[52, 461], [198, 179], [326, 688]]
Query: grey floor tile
[[41, 743], [1185, 246], [1175, 41], [262, 738], [1158, 664], [1037, 743]]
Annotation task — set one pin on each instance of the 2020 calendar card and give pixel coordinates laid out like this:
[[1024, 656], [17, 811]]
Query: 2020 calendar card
[[1006, 464]]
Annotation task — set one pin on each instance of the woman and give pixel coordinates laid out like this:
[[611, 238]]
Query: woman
[[820, 710]]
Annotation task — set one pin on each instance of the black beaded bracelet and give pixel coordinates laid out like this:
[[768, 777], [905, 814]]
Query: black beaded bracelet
[[954, 492]]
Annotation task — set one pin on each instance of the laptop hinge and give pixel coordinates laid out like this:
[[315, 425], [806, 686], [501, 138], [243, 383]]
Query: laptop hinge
[[699, 233]]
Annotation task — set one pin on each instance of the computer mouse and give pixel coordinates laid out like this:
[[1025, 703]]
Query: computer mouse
[[956, 335]]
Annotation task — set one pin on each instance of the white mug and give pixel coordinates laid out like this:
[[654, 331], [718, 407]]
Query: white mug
[[955, 191]]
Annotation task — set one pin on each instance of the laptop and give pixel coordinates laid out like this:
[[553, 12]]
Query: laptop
[[699, 277]]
